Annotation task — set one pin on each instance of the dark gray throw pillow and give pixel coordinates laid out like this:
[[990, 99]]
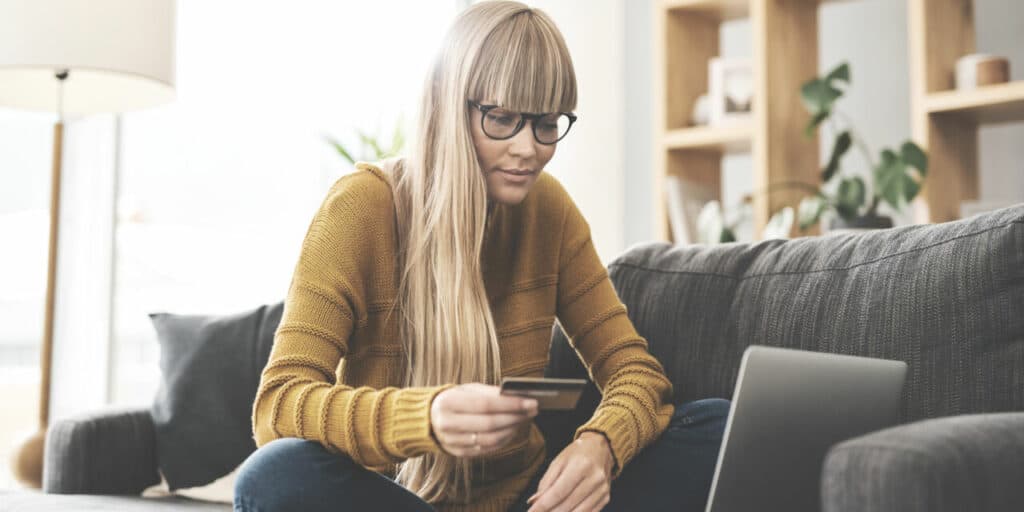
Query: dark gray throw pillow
[[210, 368]]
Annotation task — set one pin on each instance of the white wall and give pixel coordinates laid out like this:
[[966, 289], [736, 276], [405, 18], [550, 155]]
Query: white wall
[[589, 160], [878, 101]]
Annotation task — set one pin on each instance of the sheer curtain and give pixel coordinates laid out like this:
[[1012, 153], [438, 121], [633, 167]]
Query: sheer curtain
[[24, 225], [218, 188]]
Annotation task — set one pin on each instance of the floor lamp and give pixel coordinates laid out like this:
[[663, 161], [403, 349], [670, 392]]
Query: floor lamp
[[79, 57]]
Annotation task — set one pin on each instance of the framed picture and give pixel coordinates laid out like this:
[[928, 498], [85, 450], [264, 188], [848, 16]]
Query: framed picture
[[731, 88]]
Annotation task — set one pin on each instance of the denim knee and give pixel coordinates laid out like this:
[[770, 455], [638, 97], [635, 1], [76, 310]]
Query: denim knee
[[709, 414], [270, 475]]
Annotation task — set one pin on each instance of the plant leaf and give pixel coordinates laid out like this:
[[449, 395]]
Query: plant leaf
[[810, 210], [840, 147], [397, 140], [372, 143], [889, 182], [850, 197], [910, 187], [915, 157], [841, 72], [780, 225], [340, 149], [818, 96], [814, 122]]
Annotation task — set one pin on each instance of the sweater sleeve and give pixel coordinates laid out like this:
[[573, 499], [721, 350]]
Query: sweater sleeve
[[298, 395], [635, 405]]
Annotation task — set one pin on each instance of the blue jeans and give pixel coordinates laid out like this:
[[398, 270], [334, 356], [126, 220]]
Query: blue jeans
[[671, 473]]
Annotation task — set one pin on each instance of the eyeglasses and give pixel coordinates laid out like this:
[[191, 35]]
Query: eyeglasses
[[501, 124]]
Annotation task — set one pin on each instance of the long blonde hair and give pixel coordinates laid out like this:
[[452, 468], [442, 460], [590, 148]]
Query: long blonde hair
[[501, 51]]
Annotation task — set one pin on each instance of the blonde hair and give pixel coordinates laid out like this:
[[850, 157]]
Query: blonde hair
[[498, 51]]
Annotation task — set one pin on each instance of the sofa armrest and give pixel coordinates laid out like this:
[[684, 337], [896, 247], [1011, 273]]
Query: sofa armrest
[[971, 462], [110, 451]]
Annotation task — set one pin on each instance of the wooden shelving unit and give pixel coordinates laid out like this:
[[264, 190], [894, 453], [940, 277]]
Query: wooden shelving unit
[[784, 56], [945, 121]]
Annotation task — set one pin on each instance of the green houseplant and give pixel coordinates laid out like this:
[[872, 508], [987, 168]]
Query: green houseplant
[[371, 147], [896, 176]]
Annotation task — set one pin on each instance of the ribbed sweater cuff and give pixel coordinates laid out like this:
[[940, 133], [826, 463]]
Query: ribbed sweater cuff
[[619, 428], [412, 432]]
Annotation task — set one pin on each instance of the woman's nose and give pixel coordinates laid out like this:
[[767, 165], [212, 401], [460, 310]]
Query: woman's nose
[[522, 144]]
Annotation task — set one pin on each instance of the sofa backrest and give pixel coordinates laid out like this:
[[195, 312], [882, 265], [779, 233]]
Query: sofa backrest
[[948, 299]]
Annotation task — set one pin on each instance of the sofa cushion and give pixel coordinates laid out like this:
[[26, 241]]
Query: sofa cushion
[[34, 501], [948, 299], [210, 367]]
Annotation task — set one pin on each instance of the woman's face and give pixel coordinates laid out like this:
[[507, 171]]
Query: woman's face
[[500, 158]]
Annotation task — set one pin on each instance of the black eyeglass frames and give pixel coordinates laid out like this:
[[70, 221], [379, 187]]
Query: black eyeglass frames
[[501, 124]]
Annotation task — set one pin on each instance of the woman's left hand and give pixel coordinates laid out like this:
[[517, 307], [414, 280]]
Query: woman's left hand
[[578, 479]]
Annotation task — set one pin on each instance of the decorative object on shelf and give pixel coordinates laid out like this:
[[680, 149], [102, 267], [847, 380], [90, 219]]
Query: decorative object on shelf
[[896, 177], [74, 57], [685, 200], [731, 89], [716, 225], [701, 114], [372, 148], [980, 69]]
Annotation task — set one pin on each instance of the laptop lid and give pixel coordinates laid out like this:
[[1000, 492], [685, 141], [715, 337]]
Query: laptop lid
[[789, 407]]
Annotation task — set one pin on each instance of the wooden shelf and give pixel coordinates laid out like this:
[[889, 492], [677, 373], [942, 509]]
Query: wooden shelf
[[783, 55], [989, 104], [719, 10], [729, 138]]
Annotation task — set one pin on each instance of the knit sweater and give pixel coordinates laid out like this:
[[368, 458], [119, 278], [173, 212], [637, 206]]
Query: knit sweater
[[334, 371]]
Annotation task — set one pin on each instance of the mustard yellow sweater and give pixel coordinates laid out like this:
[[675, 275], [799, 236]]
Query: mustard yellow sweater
[[334, 371]]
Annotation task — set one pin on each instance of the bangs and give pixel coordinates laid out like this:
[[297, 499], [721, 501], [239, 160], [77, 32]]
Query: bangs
[[525, 66]]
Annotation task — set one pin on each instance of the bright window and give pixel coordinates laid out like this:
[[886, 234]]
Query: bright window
[[219, 187]]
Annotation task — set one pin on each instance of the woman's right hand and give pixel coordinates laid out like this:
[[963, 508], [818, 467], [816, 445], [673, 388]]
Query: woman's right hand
[[456, 413]]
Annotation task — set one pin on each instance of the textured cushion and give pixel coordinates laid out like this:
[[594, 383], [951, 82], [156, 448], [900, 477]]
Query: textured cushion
[[945, 298], [210, 369], [971, 462], [32, 501], [106, 451]]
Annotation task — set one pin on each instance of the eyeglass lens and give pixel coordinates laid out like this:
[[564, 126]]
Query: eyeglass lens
[[501, 124]]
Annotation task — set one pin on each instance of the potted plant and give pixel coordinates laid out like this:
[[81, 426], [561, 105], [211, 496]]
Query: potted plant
[[896, 176]]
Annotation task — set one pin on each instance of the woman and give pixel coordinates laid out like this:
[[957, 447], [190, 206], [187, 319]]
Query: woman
[[423, 281]]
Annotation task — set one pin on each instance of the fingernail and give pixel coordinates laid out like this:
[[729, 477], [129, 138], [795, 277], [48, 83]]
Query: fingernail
[[529, 404]]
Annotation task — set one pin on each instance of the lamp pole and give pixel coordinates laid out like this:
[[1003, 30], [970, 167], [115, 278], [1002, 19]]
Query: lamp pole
[[28, 456]]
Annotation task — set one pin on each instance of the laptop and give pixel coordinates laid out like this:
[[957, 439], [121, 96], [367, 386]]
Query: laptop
[[789, 407]]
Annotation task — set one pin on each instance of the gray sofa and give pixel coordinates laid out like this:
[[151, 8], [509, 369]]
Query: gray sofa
[[947, 299]]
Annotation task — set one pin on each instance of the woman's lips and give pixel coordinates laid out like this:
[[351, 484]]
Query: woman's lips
[[518, 177]]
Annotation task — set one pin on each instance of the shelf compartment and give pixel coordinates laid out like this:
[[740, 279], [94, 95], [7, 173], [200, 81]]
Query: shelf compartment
[[727, 138], [998, 103]]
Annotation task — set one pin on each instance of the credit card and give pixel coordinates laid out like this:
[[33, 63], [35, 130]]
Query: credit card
[[550, 393]]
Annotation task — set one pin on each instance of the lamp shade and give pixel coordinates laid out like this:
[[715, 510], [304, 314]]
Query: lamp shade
[[119, 54]]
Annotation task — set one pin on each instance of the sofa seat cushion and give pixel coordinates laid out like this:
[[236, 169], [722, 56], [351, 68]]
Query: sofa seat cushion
[[24, 500]]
